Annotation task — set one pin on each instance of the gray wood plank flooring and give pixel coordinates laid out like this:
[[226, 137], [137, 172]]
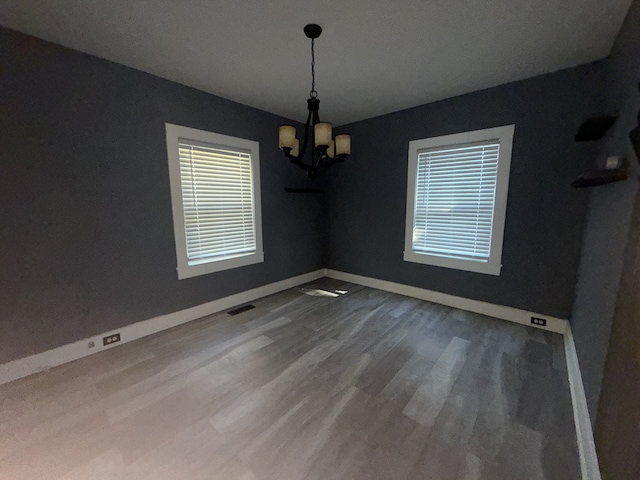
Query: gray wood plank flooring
[[367, 385]]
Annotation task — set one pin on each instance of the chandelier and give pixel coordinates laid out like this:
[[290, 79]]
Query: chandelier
[[324, 151]]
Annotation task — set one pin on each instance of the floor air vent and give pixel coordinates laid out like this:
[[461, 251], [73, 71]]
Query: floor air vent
[[238, 310]]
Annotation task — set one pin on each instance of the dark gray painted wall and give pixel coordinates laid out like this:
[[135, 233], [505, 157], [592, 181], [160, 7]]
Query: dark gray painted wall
[[86, 234], [609, 216], [85, 223], [545, 216]]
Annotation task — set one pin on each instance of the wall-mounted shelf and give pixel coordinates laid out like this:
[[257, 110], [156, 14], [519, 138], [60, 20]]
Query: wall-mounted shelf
[[303, 190], [594, 178]]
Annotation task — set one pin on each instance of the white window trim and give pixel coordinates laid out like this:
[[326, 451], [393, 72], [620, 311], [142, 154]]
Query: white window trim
[[173, 133], [505, 135]]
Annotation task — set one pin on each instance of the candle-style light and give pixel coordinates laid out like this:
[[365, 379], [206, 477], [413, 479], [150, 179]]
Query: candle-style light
[[343, 144], [324, 150], [322, 134], [287, 135]]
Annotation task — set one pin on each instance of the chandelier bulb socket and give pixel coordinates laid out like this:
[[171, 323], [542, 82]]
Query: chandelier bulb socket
[[322, 150]]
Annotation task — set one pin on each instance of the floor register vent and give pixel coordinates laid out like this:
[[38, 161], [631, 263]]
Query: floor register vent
[[242, 309]]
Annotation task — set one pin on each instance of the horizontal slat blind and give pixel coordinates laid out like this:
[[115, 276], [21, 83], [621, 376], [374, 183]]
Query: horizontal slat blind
[[217, 197], [455, 199]]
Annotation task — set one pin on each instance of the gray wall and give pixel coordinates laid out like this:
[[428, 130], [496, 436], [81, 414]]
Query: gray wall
[[545, 216], [86, 231], [609, 216]]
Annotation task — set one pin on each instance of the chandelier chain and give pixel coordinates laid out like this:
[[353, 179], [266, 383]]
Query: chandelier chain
[[313, 93]]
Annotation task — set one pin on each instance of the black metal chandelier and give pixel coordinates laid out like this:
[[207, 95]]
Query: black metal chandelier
[[324, 151]]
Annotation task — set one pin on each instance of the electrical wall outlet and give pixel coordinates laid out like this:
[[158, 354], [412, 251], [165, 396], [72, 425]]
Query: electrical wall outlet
[[110, 339], [541, 322]]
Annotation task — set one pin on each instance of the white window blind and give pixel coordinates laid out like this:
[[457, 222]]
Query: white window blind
[[455, 199], [218, 202]]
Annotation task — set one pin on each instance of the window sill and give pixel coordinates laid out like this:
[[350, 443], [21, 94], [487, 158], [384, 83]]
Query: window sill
[[188, 271], [488, 268]]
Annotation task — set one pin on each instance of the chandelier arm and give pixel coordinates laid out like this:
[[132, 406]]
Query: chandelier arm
[[328, 161], [314, 122], [299, 160], [300, 163], [314, 111], [305, 143]]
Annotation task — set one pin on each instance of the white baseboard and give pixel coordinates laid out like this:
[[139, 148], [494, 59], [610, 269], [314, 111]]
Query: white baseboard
[[511, 314], [584, 433], [44, 361]]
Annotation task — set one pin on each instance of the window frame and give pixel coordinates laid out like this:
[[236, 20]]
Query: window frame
[[173, 134], [504, 135]]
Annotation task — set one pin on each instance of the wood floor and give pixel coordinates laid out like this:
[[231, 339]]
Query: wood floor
[[367, 385]]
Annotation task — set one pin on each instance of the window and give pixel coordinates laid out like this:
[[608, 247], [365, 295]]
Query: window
[[457, 198], [215, 193]]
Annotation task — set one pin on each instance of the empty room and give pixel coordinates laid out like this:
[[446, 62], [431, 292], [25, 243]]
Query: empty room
[[286, 240]]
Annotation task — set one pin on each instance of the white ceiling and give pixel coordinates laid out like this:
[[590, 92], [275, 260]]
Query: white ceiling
[[372, 58]]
